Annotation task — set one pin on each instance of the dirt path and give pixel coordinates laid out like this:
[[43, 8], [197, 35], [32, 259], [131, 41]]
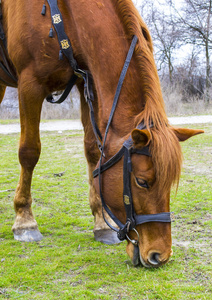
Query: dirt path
[[76, 124]]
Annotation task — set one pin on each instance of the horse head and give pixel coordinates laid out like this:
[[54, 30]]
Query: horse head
[[152, 177]]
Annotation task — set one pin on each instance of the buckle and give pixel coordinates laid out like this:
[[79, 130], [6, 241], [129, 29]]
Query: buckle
[[80, 73], [100, 147], [122, 233], [134, 242]]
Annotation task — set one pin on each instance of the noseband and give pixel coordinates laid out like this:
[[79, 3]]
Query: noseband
[[132, 219]]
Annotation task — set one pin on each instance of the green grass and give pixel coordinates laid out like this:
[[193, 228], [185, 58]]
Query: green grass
[[9, 121], [68, 263]]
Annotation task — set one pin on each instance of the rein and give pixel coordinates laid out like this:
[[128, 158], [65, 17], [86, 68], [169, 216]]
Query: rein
[[132, 220]]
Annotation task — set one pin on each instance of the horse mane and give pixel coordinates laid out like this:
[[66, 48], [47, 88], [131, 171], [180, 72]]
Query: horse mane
[[165, 147], [154, 110]]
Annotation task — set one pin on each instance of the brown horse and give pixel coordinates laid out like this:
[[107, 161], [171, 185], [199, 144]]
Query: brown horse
[[100, 33]]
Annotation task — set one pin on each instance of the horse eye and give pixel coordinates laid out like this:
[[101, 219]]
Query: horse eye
[[141, 182]]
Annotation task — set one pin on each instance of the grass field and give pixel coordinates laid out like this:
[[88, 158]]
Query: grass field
[[68, 263]]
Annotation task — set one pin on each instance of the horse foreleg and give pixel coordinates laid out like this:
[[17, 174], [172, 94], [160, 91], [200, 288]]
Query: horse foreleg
[[30, 103], [101, 230]]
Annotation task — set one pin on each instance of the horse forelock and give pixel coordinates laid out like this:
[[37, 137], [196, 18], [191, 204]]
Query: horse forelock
[[167, 158]]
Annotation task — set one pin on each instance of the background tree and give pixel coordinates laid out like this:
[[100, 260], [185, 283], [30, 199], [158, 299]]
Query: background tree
[[195, 20], [165, 34]]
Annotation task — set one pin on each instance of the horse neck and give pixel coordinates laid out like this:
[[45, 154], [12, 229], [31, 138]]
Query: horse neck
[[104, 48], [102, 41]]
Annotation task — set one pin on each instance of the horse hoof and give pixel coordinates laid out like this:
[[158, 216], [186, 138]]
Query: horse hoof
[[106, 236], [27, 235]]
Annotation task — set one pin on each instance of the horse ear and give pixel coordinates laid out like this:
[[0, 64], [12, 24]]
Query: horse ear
[[184, 133], [141, 137]]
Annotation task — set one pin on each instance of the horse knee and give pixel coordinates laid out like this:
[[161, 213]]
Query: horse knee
[[29, 156]]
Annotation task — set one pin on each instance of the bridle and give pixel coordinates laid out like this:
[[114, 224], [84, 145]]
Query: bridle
[[132, 219]]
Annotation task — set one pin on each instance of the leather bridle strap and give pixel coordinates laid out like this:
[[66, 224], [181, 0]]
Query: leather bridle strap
[[120, 84], [89, 98], [115, 101], [127, 195], [131, 218], [65, 93], [112, 161], [164, 217], [127, 170]]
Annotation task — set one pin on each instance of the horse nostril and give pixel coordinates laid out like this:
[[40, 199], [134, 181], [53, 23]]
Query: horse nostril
[[154, 259]]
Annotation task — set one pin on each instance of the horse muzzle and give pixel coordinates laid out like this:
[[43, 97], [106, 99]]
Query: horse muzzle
[[153, 259]]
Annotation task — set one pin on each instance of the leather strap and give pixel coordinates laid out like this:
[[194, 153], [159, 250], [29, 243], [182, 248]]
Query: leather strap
[[65, 44], [89, 97], [127, 195], [164, 217], [67, 90], [115, 101], [112, 161], [120, 83]]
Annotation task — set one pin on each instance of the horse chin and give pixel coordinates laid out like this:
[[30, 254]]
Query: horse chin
[[134, 254], [137, 258]]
